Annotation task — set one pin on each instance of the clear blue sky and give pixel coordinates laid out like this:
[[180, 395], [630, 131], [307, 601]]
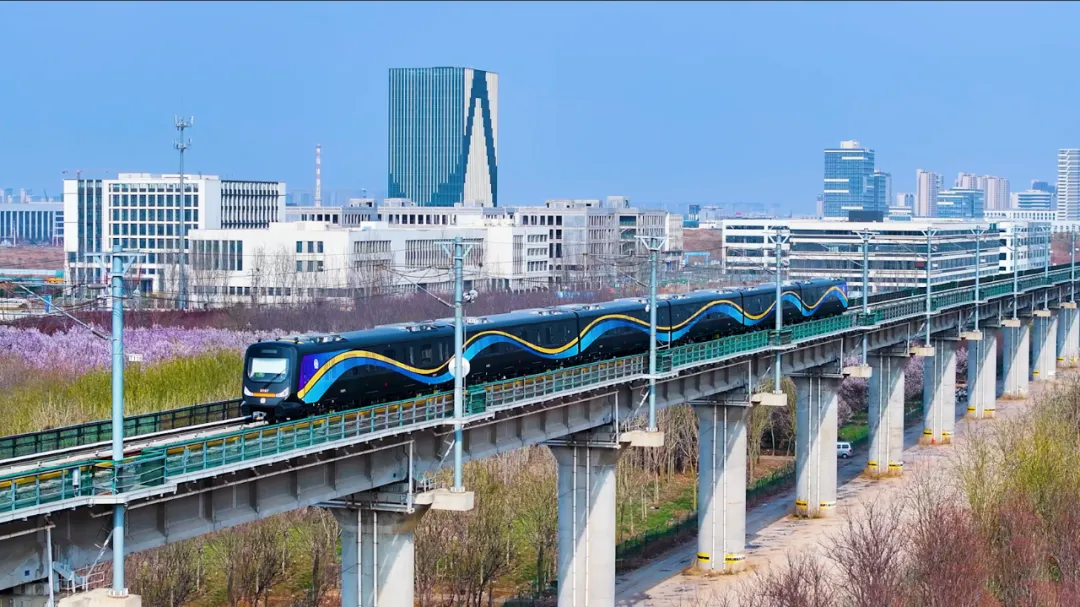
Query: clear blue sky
[[662, 102]]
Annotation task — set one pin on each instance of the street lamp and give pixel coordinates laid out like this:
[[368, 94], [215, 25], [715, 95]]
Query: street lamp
[[866, 236], [978, 231], [779, 237]]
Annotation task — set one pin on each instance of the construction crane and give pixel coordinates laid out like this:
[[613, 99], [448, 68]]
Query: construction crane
[[78, 172]]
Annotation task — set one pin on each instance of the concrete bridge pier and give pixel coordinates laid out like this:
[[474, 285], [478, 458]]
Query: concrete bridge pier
[[586, 481], [377, 556], [886, 414], [1044, 346], [722, 483], [815, 444], [377, 542], [1016, 357], [939, 393], [981, 375], [1068, 336]]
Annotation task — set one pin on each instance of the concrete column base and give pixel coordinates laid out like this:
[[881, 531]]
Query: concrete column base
[[377, 556], [722, 487], [586, 482], [1068, 338], [815, 445], [1015, 359], [981, 379], [886, 417], [939, 395], [99, 598], [1044, 340]]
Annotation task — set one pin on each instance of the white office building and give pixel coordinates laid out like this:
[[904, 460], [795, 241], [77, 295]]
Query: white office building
[[1021, 215], [1026, 243], [1033, 200], [32, 223], [305, 261], [905, 200], [588, 240], [322, 214], [898, 251], [141, 212], [1068, 184], [927, 186]]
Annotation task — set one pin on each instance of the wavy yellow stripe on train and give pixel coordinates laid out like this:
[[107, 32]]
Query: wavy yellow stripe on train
[[564, 347]]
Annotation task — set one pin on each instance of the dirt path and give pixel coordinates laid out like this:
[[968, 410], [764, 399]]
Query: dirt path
[[772, 533]]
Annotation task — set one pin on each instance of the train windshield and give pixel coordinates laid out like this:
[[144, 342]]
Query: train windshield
[[268, 369]]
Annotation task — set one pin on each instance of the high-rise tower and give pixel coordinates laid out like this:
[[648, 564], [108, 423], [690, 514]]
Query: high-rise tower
[[318, 175], [1068, 184], [927, 186], [443, 136], [850, 180]]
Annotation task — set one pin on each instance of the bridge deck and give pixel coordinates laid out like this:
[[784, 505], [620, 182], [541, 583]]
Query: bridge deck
[[158, 465]]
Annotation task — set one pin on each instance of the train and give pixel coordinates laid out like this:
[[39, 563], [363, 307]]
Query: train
[[291, 378]]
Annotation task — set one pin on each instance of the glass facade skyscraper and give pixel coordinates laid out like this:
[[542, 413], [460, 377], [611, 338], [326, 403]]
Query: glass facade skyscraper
[[443, 136], [961, 203], [850, 181], [882, 190]]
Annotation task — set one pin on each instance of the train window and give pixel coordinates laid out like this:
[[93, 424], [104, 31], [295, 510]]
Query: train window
[[425, 355], [389, 353]]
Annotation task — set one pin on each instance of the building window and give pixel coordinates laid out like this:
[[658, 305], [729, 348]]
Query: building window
[[319, 266], [320, 250], [311, 246], [299, 247], [299, 266]]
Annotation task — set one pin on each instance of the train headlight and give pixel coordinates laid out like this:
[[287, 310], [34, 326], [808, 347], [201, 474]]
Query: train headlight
[[247, 392], [283, 394]]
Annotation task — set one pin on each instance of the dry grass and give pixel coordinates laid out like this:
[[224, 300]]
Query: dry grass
[[32, 257]]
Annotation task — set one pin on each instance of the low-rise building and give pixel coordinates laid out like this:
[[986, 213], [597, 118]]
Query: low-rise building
[[141, 212], [589, 241], [300, 261], [323, 214], [1023, 243], [1021, 215], [1033, 200], [898, 251], [32, 223]]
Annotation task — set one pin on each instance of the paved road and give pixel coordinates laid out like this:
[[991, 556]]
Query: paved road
[[631, 587]]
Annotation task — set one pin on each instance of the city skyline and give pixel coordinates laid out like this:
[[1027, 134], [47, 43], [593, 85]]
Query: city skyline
[[579, 119]]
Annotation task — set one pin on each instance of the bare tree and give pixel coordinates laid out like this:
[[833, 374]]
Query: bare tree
[[802, 582], [169, 576], [319, 532], [252, 559], [868, 554], [538, 517]]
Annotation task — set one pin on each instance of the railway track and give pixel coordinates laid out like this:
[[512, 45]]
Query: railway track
[[133, 445]]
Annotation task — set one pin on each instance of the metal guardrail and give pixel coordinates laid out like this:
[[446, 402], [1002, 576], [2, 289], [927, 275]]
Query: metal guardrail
[[825, 326], [31, 443], [681, 356], [502, 393], [155, 466], [202, 454]]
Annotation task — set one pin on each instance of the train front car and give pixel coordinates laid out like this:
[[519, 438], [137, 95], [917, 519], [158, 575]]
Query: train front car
[[269, 390]]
